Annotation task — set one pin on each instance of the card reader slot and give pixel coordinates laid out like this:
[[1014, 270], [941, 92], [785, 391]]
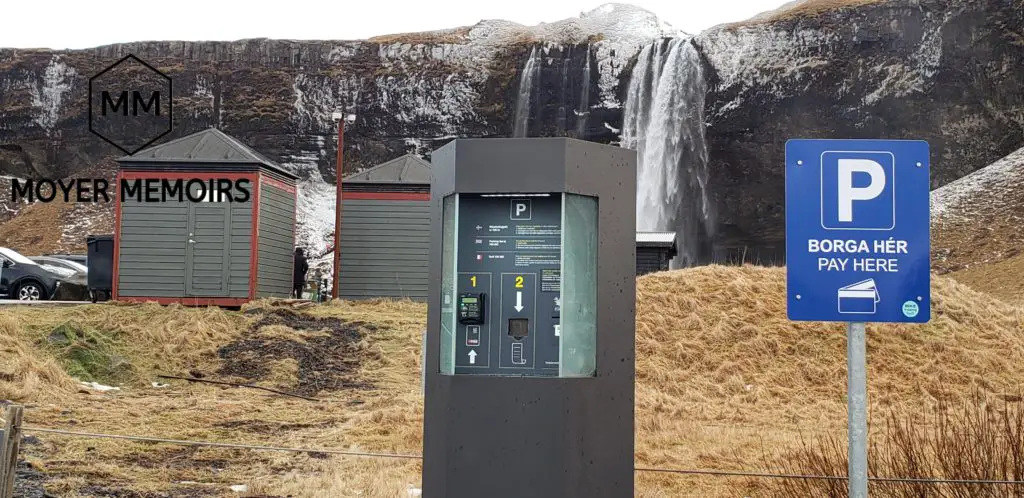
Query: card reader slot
[[471, 308]]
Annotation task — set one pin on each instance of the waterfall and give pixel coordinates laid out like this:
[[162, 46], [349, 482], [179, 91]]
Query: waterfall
[[581, 115], [530, 73], [664, 121], [563, 97]]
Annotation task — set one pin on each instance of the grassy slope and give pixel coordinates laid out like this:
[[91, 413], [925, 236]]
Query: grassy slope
[[722, 377], [976, 228], [803, 9], [1003, 279]]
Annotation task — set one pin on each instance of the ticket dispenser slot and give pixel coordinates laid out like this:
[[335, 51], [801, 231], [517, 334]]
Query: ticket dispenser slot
[[518, 328]]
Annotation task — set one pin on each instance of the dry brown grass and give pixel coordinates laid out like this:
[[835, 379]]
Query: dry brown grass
[[1003, 279], [803, 10], [721, 376], [975, 441], [456, 35], [25, 371], [152, 338], [36, 229], [722, 373]]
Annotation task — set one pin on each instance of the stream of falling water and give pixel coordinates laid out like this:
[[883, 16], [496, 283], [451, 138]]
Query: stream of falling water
[[664, 121], [522, 117], [584, 111], [563, 96]]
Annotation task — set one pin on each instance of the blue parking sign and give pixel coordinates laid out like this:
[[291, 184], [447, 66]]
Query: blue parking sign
[[857, 231]]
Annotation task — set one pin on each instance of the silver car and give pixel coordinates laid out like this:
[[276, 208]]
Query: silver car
[[68, 271]]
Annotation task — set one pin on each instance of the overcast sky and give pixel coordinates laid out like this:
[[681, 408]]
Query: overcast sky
[[60, 24]]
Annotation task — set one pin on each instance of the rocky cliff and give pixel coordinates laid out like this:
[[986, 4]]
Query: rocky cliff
[[709, 114], [945, 71], [411, 93]]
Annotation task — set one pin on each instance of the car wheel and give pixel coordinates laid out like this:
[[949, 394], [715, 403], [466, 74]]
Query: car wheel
[[30, 291]]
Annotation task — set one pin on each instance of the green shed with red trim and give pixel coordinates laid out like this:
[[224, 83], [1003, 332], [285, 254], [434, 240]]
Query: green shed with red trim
[[177, 241], [385, 231]]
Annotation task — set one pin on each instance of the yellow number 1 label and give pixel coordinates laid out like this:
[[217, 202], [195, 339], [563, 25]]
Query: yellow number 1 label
[[519, 281], [473, 280]]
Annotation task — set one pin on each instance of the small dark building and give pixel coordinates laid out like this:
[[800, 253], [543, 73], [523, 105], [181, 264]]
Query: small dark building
[[385, 231], [654, 250], [220, 250]]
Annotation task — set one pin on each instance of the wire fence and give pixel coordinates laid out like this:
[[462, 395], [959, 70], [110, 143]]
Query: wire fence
[[714, 473]]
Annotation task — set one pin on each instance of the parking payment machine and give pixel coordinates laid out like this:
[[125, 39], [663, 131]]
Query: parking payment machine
[[530, 338]]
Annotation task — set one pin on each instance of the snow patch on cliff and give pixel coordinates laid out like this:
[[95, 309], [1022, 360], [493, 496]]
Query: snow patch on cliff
[[85, 219], [764, 57], [203, 88], [315, 214], [342, 52], [312, 152], [317, 96], [415, 146], [315, 224], [617, 32], [980, 190], [48, 95], [612, 21], [904, 79], [424, 102], [406, 55]]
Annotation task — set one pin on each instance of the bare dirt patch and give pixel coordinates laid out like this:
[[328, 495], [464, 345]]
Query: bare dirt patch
[[181, 492], [326, 351]]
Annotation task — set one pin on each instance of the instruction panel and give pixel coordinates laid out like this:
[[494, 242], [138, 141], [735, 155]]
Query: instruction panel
[[508, 286]]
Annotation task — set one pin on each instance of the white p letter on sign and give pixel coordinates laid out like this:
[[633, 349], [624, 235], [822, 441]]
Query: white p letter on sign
[[520, 209], [848, 193]]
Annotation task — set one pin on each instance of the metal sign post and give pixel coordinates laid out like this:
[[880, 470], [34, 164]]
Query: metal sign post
[[857, 251], [857, 408]]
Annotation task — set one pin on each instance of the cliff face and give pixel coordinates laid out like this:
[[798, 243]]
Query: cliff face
[[276, 95], [946, 71], [411, 94], [710, 115]]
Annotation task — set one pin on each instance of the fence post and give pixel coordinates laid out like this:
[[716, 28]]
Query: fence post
[[11, 440], [4, 432]]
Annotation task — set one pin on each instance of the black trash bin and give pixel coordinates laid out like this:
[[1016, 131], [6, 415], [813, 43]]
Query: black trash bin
[[100, 261]]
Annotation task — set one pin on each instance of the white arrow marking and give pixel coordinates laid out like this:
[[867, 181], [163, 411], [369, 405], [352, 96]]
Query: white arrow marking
[[472, 357], [519, 301]]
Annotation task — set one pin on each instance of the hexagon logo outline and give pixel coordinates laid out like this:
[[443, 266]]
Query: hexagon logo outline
[[170, 104]]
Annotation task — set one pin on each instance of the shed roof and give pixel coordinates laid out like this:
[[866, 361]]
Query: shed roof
[[405, 169], [207, 146], [656, 239]]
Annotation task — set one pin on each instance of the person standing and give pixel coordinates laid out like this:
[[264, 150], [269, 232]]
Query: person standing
[[299, 275]]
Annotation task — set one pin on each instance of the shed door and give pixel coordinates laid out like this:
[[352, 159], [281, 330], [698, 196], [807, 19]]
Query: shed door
[[207, 256]]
